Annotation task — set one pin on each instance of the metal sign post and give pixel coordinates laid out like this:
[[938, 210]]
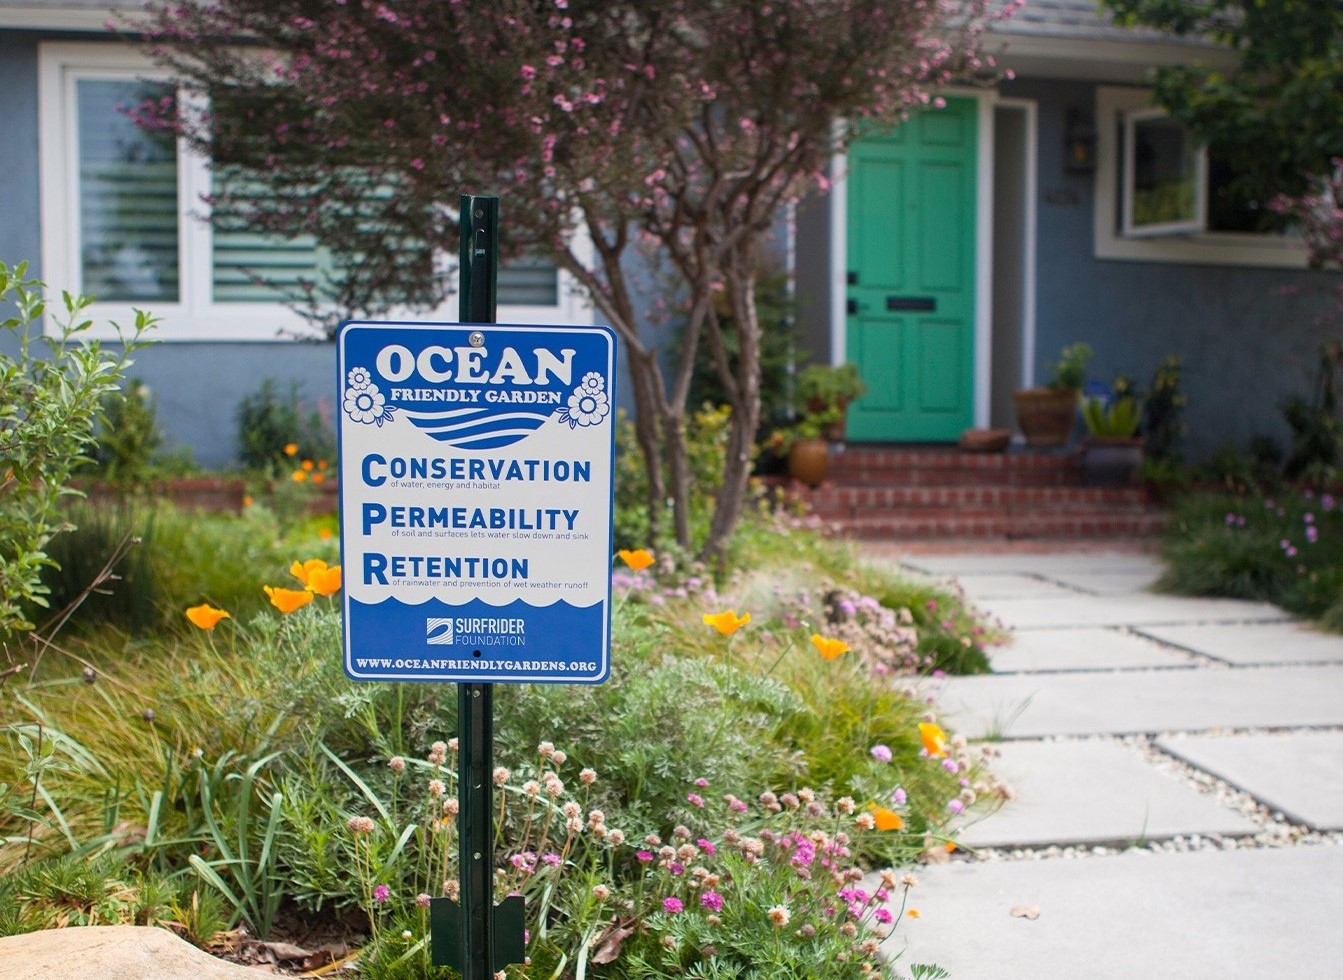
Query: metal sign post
[[476, 533]]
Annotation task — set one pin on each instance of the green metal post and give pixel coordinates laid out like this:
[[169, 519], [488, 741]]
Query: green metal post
[[475, 936]]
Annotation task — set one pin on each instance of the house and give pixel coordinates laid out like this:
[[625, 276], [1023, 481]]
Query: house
[[951, 259]]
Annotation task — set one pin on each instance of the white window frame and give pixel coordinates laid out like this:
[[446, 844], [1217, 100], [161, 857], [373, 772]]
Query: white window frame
[[1198, 221], [1114, 105], [195, 316]]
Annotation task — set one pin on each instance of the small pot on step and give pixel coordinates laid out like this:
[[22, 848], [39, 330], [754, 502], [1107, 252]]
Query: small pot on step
[[1112, 461], [809, 461]]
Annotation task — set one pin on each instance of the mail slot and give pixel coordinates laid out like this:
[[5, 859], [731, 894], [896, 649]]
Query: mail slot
[[911, 304]]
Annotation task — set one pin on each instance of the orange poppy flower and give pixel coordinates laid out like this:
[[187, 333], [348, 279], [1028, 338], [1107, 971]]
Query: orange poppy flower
[[934, 739], [885, 819], [302, 570], [325, 533], [728, 622], [828, 647], [308, 464], [299, 476], [324, 581], [291, 449], [912, 913], [206, 616], [287, 600], [318, 477], [638, 559]]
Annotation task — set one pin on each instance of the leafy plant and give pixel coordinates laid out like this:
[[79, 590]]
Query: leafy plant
[[1163, 424], [822, 386], [1069, 372], [1110, 419], [51, 394], [269, 421], [128, 436], [1317, 430]]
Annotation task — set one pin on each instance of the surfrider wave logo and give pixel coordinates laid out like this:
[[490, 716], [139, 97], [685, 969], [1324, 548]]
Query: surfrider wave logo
[[438, 632]]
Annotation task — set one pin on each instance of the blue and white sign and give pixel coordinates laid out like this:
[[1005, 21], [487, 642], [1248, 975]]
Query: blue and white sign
[[477, 467]]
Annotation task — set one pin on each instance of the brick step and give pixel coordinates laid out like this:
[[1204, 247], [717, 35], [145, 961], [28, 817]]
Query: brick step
[[831, 497], [1008, 526], [871, 467]]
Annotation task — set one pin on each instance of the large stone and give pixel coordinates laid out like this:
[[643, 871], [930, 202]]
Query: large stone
[[1133, 702], [1206, 915], [1253, 643], [111, 953], [1298, 773], [1091, 648], [1094, 792]]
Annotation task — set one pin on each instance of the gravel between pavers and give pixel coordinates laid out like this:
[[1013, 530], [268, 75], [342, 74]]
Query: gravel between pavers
[[1277, 831]]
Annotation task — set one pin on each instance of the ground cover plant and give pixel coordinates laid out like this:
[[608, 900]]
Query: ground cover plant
[[1283, 547], [714, 809]]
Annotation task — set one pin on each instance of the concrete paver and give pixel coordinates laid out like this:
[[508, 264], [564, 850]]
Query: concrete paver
[[1094, 792], [1107, 581], [1205, 915], [1091, 648], [1130, 702], [1297, 773], [1254, 643], [1125, 610], [1048, 565], [982, 586]]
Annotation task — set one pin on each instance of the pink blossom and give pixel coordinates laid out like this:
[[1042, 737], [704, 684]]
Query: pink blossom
[[672, 905]]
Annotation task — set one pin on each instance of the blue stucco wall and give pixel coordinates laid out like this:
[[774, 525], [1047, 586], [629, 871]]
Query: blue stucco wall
[[1248, 337], [18, 151]]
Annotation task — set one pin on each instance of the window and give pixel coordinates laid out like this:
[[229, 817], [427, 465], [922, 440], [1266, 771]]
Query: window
[[1164, 176], [1160, 197], [121, 211]]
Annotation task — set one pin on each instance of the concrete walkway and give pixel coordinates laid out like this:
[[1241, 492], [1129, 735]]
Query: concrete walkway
[[1179, 773]]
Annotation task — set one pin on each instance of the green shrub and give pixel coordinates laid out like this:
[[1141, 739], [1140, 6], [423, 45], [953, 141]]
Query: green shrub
[[51, 393], [268, 421], [128, 437]]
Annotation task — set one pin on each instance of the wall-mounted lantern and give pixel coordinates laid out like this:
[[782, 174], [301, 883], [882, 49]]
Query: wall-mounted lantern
[[1079, 142]]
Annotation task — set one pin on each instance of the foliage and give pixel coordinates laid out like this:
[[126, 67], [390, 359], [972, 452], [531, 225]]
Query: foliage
[[1279, 110], [128, 436], [822, 386], [51, 393], [269, 421], [1286, 549], [1163, 414], [706, 441], [1112, 418], [1069, 372], [1317, 430], [692, 123]]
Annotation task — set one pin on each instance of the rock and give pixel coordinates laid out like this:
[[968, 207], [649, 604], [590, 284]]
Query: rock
[[111, 953]]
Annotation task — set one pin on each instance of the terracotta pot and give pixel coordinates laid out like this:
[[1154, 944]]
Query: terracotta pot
[[808, 461], [1112, 461], [1046, 416]]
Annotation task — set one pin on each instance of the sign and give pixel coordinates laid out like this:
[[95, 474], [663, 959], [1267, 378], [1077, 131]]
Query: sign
[[477, 466]]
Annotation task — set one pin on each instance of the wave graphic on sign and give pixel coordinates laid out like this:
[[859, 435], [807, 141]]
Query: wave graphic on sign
[[479, 428]]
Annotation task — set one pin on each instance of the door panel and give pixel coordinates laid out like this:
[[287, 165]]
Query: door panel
[[911, 246]]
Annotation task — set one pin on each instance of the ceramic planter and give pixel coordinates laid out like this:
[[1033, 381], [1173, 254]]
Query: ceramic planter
[[1112, 461], [1046, 416], [809, 461]]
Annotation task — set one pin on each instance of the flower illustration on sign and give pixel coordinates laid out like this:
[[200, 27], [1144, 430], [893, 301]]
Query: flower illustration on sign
[[363, 401], [588, 404]]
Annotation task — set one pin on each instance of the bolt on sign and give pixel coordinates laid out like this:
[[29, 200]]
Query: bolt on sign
[[477, 465]]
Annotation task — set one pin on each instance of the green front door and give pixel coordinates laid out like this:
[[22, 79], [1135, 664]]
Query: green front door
[[911, 277]]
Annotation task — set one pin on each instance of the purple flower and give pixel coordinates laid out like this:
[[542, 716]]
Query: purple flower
[[1309, 518], [955, 806], [712, 901], [706, 846], [672, 905], [381, 893], [883, 916], [702, 783], [694, 799], [644, 856], [881, 753], [950, 766], [899, 796], [1327, 501]]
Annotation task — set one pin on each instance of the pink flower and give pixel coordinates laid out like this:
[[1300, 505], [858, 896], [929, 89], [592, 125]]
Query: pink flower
[[644, 856], [706, 846], [881, 753], [883, 916], [672, 905], [381, 893], [712, 901], [694, 799]]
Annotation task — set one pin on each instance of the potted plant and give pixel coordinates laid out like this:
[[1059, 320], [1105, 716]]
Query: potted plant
[[805, 446], [1112, 452], [830, 388], [1046, 415]]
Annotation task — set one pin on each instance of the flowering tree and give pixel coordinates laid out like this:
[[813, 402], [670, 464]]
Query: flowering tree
[[683, 126]]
